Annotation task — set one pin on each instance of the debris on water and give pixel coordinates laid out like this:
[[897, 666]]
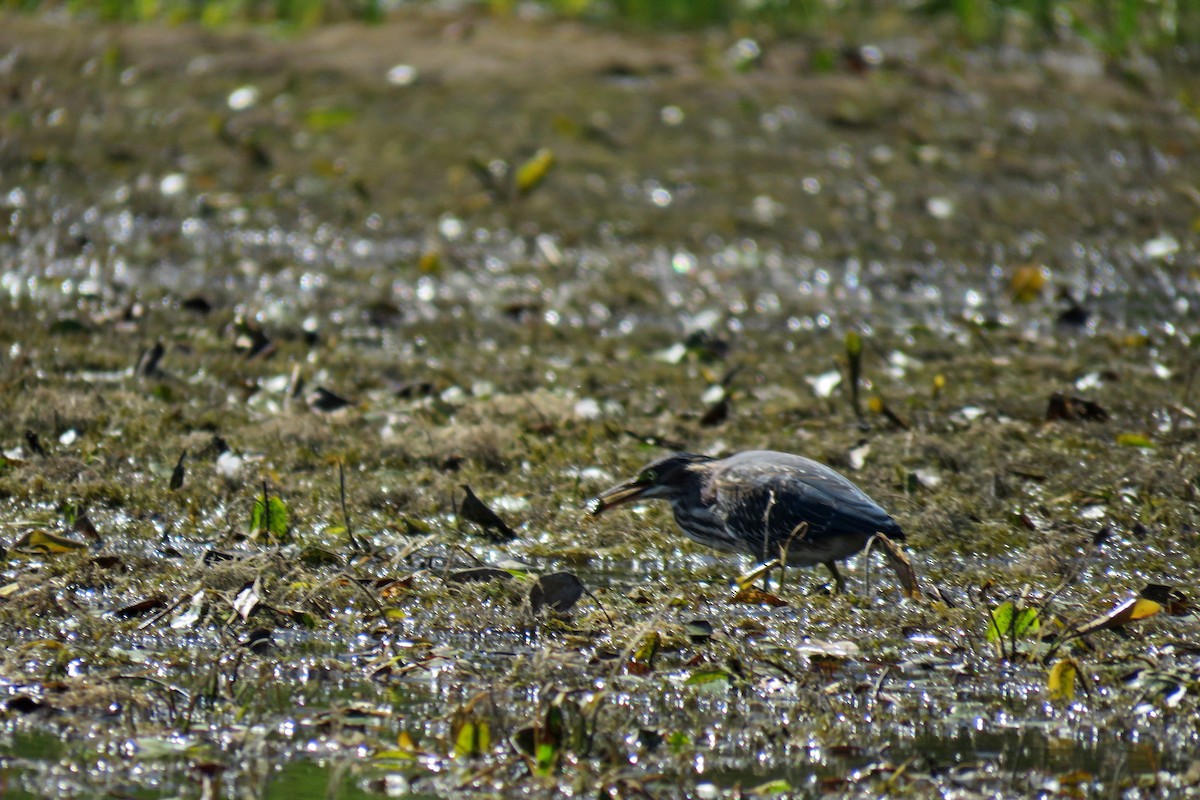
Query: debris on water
[[147, 363], [1160, 247], [1152, 600], [1027, 282], [940, 207], [478, 575], [1072, 408], [558, 591], [402, 75], [35, 443], [173, 184], [244, 97], [324, 400], [824, 384]]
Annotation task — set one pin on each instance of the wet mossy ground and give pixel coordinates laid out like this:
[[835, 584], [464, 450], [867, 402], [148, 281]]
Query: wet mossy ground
[[327, 228]]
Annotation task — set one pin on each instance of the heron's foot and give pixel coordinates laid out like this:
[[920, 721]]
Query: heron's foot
[[839, 583]]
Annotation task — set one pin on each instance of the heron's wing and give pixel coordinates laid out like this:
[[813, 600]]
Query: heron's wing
[[793, 497]]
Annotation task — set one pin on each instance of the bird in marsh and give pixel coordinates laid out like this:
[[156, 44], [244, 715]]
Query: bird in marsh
[[762, 503]]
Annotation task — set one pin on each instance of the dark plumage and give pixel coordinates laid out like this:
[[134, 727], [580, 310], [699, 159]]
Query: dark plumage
[[761, 503]]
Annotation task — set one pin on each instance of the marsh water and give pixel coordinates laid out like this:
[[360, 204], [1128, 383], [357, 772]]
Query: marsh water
[[358, 268]]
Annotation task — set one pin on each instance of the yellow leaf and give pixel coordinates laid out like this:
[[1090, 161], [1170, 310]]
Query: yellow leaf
[[9, 589], [1061, 681], [430, 262], [1144, 609], [1027, 282], [1132, 610], [45, 543], [473, 738], [405, 741], [531, 174], [648, 649]]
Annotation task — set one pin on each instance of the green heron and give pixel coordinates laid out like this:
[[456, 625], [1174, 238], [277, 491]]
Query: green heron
[[762, 503]]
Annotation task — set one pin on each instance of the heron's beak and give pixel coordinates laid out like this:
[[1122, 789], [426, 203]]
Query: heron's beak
[[621, 493]]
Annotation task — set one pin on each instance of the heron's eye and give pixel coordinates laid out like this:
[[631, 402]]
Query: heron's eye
[[648, 476]]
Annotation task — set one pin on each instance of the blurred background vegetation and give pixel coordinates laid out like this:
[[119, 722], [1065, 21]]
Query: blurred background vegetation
[[1116, 26]]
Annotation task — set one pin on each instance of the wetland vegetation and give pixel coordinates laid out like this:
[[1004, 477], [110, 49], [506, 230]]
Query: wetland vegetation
[[270, 303]]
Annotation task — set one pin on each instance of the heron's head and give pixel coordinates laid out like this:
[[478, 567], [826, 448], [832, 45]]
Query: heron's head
[[667, 478]]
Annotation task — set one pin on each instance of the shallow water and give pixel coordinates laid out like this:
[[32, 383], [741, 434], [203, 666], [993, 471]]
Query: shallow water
[[995, 228]]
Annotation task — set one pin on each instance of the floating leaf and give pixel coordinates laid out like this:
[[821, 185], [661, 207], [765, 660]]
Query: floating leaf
[[177, 475], [647, 649], [702, 677], [247, 599], [531, 174], [1007, 621], [147, 363], [84, 527], [1063, 407], [322, 399], [271, 517], [1060, 683], [559, 590], [699, 630], [1152, 600], [430, 262], [1134, 440], [771, 788], [141, 607], [1027, 282], [34, 442], [190, 615], [44, 543], [751, 595], [322, 120], [473, 738], [319, 556], [543, 741], [1173, 601], [479, 575]]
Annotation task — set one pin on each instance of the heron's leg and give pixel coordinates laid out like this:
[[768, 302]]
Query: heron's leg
[[839, 582]]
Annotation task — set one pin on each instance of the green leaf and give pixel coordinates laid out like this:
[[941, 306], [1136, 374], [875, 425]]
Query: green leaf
[[1000, 621], [853, 345], [1026, 621], [322, 120], [473, 738], [531, 174], [1007, 621], [706, 676], [678, 741], [545, 757], [273, 518], [1134, 440]]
